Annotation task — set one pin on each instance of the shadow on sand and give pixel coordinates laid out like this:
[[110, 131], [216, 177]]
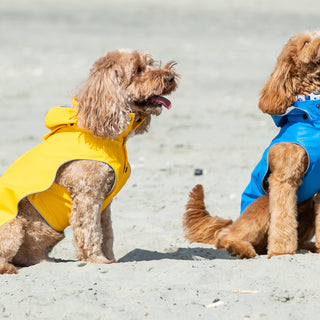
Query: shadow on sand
[[177, 254]]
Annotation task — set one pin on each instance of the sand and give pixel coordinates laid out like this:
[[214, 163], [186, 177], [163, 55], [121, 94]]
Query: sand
[[225, 51]]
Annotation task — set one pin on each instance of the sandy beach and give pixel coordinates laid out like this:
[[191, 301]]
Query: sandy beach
[[225, 50]]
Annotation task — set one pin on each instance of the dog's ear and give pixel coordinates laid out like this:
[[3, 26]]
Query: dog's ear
[[278, 93], [101, 108]]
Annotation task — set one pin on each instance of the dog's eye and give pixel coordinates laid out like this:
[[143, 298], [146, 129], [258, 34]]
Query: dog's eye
[[306, 43], [139, 70]]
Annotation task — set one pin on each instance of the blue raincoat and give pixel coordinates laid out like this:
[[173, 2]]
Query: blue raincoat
[[301, 125]]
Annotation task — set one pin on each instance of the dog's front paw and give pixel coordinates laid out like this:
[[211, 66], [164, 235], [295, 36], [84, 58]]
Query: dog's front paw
[[101, 260], [287, 245], [278, 249], [273, 253]]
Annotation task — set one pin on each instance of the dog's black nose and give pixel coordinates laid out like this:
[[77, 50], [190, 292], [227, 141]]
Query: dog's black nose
[[170, 79]]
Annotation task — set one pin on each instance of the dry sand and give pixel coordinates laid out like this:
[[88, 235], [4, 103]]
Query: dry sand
[[225, 50]]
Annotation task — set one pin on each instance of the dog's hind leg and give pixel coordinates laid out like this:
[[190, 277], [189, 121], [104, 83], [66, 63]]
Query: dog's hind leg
[[248, 234], [11, 238], [242, 238], [39, 238]]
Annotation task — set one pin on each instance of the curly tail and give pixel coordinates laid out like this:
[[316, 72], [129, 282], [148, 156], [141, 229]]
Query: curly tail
[[198, 225]]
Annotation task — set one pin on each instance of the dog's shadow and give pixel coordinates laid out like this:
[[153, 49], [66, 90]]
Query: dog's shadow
[[177, 254]]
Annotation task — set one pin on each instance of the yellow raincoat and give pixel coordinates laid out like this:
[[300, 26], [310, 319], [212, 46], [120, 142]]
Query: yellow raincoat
[[33, 174]]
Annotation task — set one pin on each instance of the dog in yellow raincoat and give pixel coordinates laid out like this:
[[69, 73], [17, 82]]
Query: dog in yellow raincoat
[[73, 175]]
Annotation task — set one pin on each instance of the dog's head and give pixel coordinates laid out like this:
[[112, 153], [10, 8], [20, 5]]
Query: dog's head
[[120, 83], [297, 72]]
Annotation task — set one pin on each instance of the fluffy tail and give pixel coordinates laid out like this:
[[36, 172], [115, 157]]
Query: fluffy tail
[[198, 225]]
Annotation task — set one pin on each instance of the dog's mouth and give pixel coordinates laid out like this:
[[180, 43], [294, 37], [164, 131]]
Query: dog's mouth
[[160, 101], [153, 105], [154, 102]]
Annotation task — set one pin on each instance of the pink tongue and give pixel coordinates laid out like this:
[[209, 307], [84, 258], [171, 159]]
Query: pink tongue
[[162, 100]]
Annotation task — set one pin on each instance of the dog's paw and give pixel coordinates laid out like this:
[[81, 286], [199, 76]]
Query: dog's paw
[[242, 250], [8, 268], [309, 246], [274, 254], [101, 260]]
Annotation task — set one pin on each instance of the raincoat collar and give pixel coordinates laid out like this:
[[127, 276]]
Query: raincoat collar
[[306, 108], [59, 117]]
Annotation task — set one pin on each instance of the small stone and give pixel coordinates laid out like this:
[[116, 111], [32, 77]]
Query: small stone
[[81, 264], [198, 172]]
